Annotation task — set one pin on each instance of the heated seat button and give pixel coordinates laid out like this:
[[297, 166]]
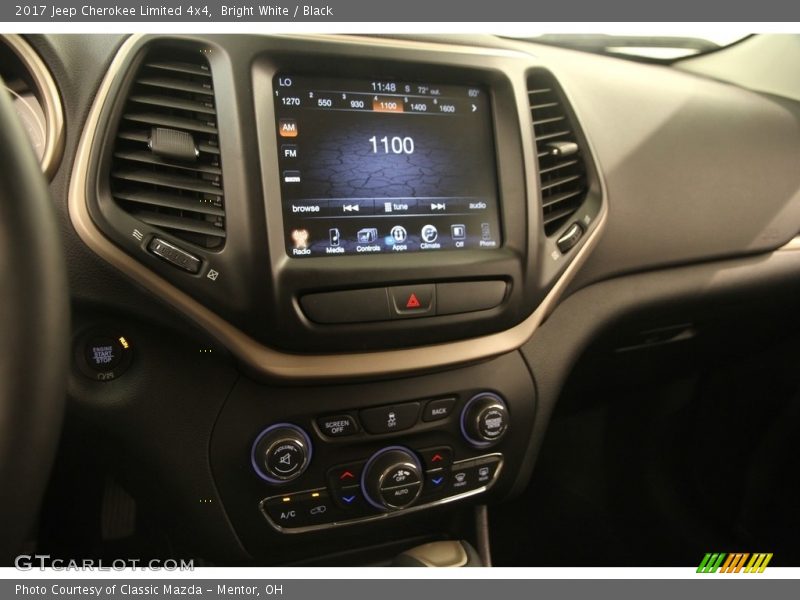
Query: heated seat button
[[469, 296], [351, 306], [338, 425], [413, 300], [386, 419], [438, 409], [174, 255]]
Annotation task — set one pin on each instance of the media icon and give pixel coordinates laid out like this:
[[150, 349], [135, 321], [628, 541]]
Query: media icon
[[367, 235], [458, 232], [429, 234], [335, 237], [438, 206], [351, 208], [399, 234]]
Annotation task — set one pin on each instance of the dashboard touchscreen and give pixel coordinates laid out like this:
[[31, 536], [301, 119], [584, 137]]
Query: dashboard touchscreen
[[382, 166]]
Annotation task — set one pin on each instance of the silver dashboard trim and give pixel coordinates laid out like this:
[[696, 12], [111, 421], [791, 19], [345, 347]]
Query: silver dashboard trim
[[51, 101], [282, 365], [791, 246], [390, 514]]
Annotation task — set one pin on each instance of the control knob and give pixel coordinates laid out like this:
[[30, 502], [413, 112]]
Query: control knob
[[392, 478], [281, 453], [484, 420]]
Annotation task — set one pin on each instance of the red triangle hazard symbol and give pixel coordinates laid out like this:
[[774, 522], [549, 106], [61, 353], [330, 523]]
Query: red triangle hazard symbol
[[413, 301]]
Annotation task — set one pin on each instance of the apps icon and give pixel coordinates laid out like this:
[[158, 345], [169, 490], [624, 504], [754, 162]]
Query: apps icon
[[399, 234], [458, 232], [333, 234], [367, 235], [429, 234]]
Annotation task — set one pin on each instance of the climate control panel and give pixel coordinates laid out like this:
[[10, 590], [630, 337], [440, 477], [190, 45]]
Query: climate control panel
[[332, 463], [394, 478]]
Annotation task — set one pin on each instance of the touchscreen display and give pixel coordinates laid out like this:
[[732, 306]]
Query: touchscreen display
[[385, 167]]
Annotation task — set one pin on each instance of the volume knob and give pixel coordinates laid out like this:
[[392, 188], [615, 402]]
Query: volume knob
[[281, 453]]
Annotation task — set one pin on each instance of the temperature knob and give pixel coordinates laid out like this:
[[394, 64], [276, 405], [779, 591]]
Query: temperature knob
[[392, 478]]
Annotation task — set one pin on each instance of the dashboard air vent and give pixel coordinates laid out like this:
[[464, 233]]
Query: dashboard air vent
[[562, 171], [166, 169]]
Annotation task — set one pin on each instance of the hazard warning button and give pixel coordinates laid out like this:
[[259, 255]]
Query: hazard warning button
[[413, 300]]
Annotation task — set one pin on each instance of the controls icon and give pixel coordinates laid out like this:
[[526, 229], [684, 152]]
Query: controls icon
[[391, 421], [399, 234], [333, 234], [367, 235], [429, 233], [458, 232]]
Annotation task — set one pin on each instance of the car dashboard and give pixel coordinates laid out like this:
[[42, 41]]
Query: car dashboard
[[327, 290]]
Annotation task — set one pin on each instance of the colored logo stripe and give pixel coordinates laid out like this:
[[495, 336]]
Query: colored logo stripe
[[758, 563], [734, 562]]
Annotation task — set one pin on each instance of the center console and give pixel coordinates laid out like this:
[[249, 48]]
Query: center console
[[360, 223]]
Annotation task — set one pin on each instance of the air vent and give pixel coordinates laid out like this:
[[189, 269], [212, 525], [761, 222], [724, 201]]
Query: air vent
[[166, 169], [562, 171]]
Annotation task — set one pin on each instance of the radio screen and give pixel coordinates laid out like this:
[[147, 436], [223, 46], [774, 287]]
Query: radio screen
[[385, 167]]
